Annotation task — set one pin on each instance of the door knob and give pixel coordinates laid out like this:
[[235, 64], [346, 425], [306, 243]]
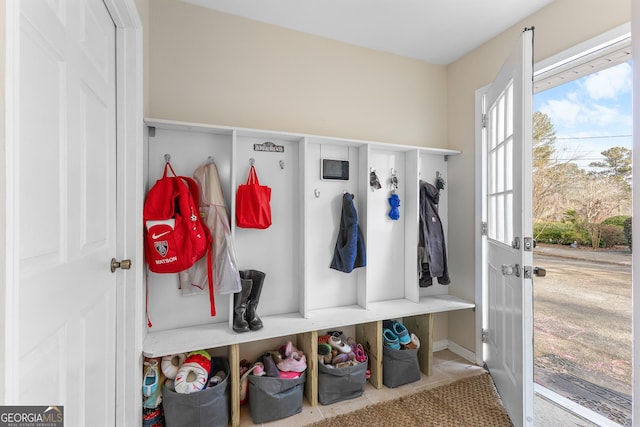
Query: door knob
[[125, 264], [539, 271], [511, 270]]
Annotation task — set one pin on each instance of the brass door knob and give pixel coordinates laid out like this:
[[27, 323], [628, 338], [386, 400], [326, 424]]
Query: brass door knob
[[125, 264]]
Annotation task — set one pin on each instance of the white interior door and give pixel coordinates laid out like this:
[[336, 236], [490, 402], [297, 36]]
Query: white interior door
[[508, 322], [62, 181]]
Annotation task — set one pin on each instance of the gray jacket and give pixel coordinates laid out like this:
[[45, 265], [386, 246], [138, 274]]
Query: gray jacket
[[432, 252]]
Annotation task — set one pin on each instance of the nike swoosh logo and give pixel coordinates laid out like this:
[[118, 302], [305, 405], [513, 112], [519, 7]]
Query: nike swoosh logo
[[155, 236]]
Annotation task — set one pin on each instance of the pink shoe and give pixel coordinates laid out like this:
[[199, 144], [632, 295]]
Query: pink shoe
[[290, 351], [361, 356], [292, 365]]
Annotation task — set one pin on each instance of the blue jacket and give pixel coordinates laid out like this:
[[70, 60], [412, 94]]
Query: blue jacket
[[350, 250]]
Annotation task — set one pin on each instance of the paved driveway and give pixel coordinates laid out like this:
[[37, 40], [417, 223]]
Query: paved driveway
[[582, 327]]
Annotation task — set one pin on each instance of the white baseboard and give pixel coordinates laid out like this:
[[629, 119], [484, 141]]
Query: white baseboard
[[440, 345], [459, 350]]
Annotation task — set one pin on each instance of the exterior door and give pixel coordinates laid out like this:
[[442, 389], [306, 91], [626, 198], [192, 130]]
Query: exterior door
[[61, 224], [508, 321]]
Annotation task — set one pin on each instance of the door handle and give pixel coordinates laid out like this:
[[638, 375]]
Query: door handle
[[511, 270], [539, 271], [125, 264]]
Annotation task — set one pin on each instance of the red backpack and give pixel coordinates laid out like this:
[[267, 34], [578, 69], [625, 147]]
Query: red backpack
[[175, 235]]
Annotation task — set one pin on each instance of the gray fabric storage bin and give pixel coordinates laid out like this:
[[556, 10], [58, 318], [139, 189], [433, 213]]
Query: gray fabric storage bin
[[399, 367], [209, 407], [274, 398], [336, 384]]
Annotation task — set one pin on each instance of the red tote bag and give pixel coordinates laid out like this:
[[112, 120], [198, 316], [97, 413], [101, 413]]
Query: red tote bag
[[253, 203]]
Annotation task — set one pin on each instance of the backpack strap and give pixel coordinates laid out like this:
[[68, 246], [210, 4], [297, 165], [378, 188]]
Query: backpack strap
[[212, 302], [146, 302]]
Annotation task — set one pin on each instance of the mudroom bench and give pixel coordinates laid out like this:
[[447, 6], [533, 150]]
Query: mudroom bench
[[302, 296], [222, 340]]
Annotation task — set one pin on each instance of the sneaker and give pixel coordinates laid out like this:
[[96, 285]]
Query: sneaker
[[151, 378], [293, 365], [402, 333], [391, 340]]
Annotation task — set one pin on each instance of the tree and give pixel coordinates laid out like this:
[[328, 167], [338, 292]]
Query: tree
[[544, 138], [595, 198], [552, 178], [616, 163], [617, 166]]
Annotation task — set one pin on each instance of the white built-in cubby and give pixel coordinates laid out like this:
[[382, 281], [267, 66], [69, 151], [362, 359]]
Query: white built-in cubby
[[302, 294]]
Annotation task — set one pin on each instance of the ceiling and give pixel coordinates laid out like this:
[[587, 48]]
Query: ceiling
[[435, 31]]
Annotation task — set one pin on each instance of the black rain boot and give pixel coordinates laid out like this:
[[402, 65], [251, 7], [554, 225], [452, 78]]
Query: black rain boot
[[240, 300], [258, 280]]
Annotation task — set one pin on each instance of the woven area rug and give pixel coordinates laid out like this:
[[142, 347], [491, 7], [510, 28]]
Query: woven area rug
[[471, 401]]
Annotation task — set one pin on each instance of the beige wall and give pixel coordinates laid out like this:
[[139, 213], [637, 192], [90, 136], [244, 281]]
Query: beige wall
[[211, 67], [559, 26]]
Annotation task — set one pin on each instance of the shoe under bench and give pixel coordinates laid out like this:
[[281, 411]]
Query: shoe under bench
[[417, 317]]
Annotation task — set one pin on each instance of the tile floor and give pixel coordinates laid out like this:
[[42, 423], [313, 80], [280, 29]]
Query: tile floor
[[447, 367]]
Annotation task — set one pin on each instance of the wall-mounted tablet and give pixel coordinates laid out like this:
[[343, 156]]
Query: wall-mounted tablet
[[335, 169]]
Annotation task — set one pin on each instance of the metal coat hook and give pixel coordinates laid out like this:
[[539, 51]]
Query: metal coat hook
[[316, 193], [251, 161], [439, 181], [394, 179], [281, 162], [374, 182], [167, 158]]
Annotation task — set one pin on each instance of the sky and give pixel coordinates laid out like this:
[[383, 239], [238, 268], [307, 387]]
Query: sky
[[591, 114]]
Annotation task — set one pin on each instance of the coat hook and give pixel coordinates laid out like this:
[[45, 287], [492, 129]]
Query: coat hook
[[316, 192], [281, 164], [167, 158], [251, 161], [439, 181], [394, 180]]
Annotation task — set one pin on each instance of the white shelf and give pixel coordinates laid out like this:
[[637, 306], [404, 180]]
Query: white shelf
[[295, 252], [187, 339], [226, 130]]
